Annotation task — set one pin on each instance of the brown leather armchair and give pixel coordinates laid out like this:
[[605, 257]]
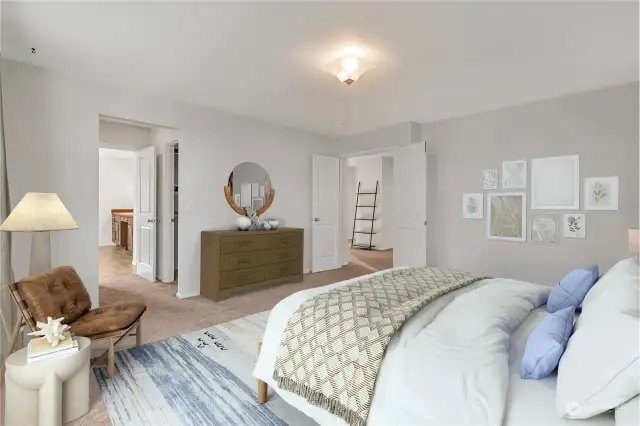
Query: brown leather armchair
[[61, 293]]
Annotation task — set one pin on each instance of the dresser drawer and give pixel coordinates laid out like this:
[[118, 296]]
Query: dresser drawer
[[243, 243], [249, 259], [241, 277], [287, 254], [289, 239], [281, 270]]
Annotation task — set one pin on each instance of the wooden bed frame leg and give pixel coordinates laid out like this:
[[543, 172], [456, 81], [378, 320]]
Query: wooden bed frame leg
[[262, 386]]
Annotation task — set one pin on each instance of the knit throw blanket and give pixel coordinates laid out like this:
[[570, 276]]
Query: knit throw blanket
[[333, 345]]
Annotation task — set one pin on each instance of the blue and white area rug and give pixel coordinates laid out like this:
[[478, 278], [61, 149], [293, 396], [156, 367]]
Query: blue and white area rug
[[200, 378]]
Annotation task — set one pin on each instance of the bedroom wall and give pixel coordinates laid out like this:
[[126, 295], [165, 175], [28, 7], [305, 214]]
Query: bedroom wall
[[51, 128], [116, 188], [601, 126]]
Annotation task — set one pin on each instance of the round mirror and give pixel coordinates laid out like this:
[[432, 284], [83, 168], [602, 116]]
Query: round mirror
[[249, 185]]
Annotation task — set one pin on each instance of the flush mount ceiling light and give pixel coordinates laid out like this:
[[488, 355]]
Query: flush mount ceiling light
[[349, 65]]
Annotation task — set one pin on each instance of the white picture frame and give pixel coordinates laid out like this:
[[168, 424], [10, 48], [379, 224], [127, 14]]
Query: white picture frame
[[490, 179], [514, 174], [545, 229], [601, 193], [555, 183], [257, 203], [473, 206], [245, 195], [509, 225], [255, 189], [574, 225]]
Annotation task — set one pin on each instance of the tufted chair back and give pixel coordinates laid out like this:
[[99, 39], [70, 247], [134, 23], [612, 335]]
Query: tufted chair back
[[55, 293]]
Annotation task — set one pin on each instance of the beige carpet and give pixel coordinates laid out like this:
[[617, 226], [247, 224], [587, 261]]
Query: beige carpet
[[168, 316]]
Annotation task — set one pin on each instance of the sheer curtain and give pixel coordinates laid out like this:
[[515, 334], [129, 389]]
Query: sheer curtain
[[7, 307]]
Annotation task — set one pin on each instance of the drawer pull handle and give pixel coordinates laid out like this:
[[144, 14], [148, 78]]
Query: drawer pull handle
[[244, 243], [282, 240], [282, 270], [243, 261], [285, 254]]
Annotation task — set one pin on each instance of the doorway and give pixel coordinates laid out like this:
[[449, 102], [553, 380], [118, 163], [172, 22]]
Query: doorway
[[131, 187], [368, 188]]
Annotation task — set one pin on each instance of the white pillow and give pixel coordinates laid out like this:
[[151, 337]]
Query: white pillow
[[628, 414], [599, 368]]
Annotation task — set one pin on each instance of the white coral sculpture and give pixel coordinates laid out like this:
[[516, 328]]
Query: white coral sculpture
[[53, 330]]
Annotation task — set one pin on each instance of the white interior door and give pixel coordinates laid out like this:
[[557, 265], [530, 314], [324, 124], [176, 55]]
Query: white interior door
[[144, 232], [410, 205], [325, 225], [166, 224]]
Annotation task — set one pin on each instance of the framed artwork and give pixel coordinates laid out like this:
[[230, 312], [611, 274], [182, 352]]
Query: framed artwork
[[601, 193], [473, 206], [490, 179], [574, 226], [507, 216], [514, 174], [236, 199], [545, 229], [257, 203], [245, 195], [255, 189], [555, 183]]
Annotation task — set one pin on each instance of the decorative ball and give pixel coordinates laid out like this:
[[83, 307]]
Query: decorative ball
[[243, 223], [266, 225], [274, 223]]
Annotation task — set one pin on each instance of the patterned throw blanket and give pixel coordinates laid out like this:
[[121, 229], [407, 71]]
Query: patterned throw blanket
[[333, 345]]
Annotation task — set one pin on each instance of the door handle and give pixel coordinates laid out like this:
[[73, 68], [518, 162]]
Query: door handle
[[316, 219]]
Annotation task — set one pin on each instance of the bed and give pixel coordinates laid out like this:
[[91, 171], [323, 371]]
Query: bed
[[416, 384]]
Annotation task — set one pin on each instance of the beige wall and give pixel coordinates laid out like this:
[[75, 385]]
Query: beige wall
[[600, 126]]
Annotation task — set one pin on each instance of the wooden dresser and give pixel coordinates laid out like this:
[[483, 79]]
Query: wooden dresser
[[235, 261], [122, 228]]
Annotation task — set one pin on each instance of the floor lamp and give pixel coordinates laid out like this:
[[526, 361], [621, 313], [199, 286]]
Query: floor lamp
[[38, 213]]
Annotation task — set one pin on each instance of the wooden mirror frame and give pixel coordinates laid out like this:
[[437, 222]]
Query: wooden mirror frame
[[241, 210]]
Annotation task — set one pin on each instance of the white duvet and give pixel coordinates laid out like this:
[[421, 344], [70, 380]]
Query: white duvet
[[448, 365]]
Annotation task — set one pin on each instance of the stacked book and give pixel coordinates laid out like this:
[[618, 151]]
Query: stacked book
[[40, 350]]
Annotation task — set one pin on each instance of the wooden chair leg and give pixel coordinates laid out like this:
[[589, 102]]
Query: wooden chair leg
[[262, 386], [111, 361], [139, 334]]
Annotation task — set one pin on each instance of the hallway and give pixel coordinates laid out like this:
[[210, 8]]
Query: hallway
[[373, 260]]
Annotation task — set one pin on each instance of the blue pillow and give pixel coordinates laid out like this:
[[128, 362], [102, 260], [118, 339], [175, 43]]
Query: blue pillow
[[572, 289], [546, 344]]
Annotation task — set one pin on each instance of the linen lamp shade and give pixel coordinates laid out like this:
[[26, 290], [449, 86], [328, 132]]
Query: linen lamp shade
[[39, 211]]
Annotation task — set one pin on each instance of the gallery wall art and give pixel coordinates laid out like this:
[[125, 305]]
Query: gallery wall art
[[545, 229], [574, 225], [490, 179], [473, 206], [555, 183], [514, 174], [507, 216], [601, 193]]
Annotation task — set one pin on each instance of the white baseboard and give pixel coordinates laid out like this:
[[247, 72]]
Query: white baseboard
[[186, 295]]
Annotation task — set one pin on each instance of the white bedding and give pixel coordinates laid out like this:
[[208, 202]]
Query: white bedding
[[449, 364]]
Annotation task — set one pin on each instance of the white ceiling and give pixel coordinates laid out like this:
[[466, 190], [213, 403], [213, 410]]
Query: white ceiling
[[436, 60]]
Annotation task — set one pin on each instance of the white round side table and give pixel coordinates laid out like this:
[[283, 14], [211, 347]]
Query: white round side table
[[47, 393]]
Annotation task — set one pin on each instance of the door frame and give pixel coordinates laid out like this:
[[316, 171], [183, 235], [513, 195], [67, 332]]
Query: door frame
[[343, 251], [166, 267]]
